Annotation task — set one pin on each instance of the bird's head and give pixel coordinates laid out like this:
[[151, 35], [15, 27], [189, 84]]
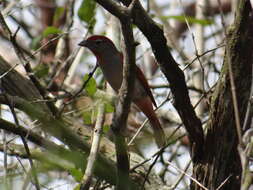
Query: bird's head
[[99, 45]]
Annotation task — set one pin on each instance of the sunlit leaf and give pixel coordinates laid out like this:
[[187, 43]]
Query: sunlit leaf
[[86, 138], [51, 30], [106, 128], [86, 12], [91, 86], [59, 12], [77, 174], [109, 108], [87, 117]]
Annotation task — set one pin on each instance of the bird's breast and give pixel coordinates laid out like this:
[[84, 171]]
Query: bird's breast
[[112, 69], [113, 72]]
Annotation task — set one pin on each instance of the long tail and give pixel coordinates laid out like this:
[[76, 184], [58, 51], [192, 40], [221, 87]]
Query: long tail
[[145, 105]]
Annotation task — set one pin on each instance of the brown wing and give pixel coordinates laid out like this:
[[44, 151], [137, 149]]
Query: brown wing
[[145, 84]]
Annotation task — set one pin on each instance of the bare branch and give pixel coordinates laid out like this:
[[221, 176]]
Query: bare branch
[[26, 64], [86, 181], [173, 73], [33, 169]]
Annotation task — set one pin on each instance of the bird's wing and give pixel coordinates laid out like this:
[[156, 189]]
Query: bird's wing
[[141, 77], [145, 84]]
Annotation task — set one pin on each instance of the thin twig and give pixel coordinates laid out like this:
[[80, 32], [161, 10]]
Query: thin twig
[[150, 168], [249, 106], [172, 134], [199, 47], [189, 176], [232, 81], [34, 172], [206, 52], [86, 180], [181, 176], [25, 63], [144, 124], [224, 182], [6, 184], [7, 72], [86, 82], [79, 91], [49, 42], [167, 99]]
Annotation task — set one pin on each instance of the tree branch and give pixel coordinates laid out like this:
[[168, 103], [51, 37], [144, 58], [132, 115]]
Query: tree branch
[[26, 64], [33, 169], [123, 106], [169, 67], [86, 180], [27, 98], [59, 129]]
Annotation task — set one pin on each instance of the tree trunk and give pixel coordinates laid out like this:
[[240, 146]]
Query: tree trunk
[[221, 165]]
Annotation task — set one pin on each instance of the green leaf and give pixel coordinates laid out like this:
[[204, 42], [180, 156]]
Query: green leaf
[[41, 70], [91, 86], [59, 13], [106, 128], [51, 30], [87, 117], [191, 20], [77, 174], [86, 12], [86, 138], [35, 44], [109, 108]]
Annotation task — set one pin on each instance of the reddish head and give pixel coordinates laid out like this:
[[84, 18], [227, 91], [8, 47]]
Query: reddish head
[[99, 45]]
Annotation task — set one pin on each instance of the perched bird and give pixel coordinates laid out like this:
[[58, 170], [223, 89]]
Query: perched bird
[[110, 61]]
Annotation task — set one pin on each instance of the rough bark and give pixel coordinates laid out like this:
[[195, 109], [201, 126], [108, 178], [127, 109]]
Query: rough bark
[[221, 161]]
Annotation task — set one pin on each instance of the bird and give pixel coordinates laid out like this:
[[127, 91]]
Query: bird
[[110, 60]]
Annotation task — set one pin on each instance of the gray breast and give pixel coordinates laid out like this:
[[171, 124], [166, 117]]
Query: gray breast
[[113, 71]]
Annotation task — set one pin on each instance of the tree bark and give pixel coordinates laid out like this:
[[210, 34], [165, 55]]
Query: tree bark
[[221, 165]]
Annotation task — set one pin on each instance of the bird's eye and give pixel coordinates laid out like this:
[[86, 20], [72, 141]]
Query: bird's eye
[[98, 42]]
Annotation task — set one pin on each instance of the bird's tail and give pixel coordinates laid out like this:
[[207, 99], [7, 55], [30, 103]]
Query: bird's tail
[[145, 105], [159, 134]]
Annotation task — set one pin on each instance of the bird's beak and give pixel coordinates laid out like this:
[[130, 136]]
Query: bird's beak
[[83, 43]]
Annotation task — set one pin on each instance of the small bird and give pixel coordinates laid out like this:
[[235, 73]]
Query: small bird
[[110, 61]]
